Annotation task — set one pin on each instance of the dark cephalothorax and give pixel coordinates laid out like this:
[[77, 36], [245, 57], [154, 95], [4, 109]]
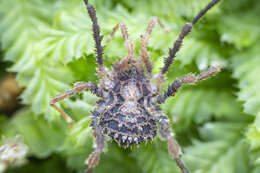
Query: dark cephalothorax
[[128, 110]]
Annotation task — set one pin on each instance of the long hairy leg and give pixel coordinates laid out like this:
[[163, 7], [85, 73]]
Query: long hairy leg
[[98, 39], [177, 44], [128, 44], [145, 39], [173, 147], [99, 146], [187, 79], [78, 87]]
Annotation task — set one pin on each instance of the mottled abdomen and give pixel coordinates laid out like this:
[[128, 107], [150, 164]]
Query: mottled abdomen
[[128, 128], [123, 113]]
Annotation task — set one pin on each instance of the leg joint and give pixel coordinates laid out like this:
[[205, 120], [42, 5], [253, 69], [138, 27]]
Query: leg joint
[[164, 130]]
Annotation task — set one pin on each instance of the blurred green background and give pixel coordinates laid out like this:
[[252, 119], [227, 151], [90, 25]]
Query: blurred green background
[[48, 45]]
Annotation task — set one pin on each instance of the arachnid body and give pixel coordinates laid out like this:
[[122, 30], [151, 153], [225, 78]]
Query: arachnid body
[[128, 110]]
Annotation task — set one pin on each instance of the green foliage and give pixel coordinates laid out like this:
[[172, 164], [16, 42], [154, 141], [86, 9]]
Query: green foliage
[[212, 104], [49, 46], [36, 133], [54, 163], [228, 152], [154, 157]]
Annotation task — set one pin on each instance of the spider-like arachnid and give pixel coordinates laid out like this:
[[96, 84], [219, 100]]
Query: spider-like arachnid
[[128, 110]]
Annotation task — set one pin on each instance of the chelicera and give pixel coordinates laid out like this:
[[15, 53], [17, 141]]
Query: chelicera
[[128, 110]]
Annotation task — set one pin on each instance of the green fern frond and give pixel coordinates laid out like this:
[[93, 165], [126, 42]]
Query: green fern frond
[[248, 84], [78, 144], [220, 151], [36, 133], [238, 24], [154, 158], [200, 105]]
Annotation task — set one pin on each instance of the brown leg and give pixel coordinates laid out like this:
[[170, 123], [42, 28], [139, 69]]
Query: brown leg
[[187, 79], [145, 39], [128, 44], [98, 39], [184, 32], [173, 147], [78, 87], [99, 146]]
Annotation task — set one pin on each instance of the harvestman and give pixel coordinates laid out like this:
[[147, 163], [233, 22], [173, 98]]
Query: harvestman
[[128, 110]]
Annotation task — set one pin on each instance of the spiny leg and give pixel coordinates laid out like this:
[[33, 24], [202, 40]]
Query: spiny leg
[[78, 87], [187, 79], [99, 146], [128, 44], [177, 44], [98, 40], [145, 39], [173, 147], [123, 29]]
